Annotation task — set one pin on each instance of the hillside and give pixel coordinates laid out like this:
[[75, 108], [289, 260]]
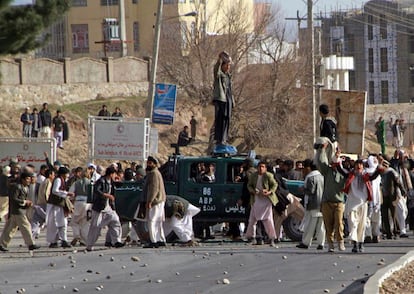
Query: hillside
[[76, 148]]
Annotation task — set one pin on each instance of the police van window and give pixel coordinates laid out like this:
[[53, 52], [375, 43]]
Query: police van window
[[234, 173], [209, 175], [197, 170]]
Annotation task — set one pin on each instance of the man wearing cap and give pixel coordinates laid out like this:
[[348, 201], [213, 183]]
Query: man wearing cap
[[92, 170], [17, 218], [27, 120], [103, 213], [154, 193], [359, 192], [57, 210], [222, 98]]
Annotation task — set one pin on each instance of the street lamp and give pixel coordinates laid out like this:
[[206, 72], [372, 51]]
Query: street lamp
[[155, 51]]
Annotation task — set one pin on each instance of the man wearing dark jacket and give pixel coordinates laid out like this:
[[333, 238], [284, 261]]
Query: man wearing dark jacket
[[328, 124], [45, 121], [103, 213], [17, 214]]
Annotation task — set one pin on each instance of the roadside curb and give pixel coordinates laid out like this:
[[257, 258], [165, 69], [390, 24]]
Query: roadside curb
[[374, 282]]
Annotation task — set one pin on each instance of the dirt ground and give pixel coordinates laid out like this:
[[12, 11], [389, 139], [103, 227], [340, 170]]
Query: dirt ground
[[400, 282]]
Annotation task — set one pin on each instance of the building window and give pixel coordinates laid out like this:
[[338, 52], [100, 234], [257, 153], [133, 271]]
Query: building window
[[184, 39], [384, 92], [109, 2], [181, 1], [193, 31], [411, 41], [75, 3], [111, 34], [370, 28], [351, 44], [136, 36], [169, 1], [134, 1], [371, 92], [412, 74], [80, 38], [371, 60], [384, 60], [383, 27]]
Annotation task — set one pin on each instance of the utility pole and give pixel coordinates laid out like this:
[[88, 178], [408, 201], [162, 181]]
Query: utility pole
[[311, 35], [154, 61], [124, 49]]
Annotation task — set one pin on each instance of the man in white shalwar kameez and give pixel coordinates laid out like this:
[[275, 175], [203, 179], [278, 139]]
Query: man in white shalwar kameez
[[359, 190], [56, 221], [103, 213], [313, 220], [262, 187], [179, 218], [373, 222]]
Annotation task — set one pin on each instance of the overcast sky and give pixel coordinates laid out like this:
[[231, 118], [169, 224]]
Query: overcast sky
[[289, 7]]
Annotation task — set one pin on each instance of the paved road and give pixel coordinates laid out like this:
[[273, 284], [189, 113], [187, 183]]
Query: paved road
[[248, 269]]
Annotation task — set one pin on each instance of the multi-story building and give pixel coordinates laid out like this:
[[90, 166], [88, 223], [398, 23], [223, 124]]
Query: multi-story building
[[93, 28], [381, 40]]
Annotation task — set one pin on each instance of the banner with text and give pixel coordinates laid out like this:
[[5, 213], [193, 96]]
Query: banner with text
[[164, 104], [119, 139]]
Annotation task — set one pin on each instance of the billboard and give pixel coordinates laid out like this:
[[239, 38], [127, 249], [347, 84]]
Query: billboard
[[164, 104], [349, 110], [118, 138], [27, 151]]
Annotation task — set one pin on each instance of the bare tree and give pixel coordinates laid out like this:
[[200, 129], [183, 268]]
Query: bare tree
[[266, 95]]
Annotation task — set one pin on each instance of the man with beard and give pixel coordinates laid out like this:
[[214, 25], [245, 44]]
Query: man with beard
[[154, 193]]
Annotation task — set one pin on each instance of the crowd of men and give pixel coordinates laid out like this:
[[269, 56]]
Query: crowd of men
[[45, 203]]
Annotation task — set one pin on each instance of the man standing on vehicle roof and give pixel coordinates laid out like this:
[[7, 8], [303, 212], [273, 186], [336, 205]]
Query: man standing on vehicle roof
[[222, 98], [262, 187], [154, 193]]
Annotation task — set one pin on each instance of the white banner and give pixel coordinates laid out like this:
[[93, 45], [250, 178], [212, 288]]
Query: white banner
[[119, 139], [27, 151]]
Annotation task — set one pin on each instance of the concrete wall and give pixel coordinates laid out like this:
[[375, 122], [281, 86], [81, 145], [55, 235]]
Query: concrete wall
[[35, 81]]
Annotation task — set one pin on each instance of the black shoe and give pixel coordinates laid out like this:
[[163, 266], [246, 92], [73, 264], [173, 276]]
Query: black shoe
[[403, 236], [119, 245], [108, 244], [320, 247], [368, 239], [375, 239], [53, 245], [34, 247], [65, 244], [361, 247], [260, 242], [150, 245], [74, 241], [302, 246], [161, 244], [355, 248], [3, 249]]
